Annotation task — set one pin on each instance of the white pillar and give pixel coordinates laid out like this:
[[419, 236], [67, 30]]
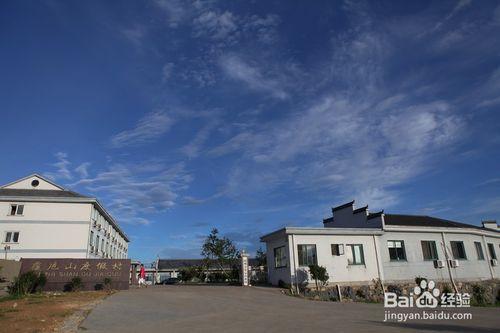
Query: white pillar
[[244, 269]]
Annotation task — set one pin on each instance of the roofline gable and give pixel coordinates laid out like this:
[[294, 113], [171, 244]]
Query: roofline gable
[[34, 175]]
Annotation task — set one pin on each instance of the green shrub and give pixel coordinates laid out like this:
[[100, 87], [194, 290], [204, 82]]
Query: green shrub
[[283, 285], [27, 283], [107, 283], [479, 296], [446, 289], [98, 286], [319, 275], [419, 279], [75, 284]]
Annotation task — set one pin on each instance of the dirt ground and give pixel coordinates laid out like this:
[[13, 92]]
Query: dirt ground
[[48, 312]]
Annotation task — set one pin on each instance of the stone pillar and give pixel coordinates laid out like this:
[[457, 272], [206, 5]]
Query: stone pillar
[[245, 279]]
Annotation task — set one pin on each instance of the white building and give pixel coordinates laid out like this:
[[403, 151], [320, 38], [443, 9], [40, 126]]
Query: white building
[[40, 219], [357, 247]]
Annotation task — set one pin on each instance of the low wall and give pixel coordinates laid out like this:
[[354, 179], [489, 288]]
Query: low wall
[[92, 272], [482, 292], [9, 269]]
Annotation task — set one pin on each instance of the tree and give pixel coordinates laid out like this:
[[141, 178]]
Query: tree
[[319, 274], [261, 257], [219, 250]]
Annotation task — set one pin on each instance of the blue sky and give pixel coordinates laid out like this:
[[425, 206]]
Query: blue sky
[[252, 115]]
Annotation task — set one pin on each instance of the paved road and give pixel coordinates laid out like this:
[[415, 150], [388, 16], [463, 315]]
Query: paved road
[[238, 309]]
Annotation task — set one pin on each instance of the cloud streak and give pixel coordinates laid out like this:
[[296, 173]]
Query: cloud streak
[[149, 128]]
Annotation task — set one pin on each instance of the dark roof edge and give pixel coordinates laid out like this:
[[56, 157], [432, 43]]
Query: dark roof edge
[[343, 206], [359, 210], [374, 215], [328, 220]]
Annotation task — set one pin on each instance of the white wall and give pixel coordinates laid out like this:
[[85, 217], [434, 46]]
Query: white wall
[[337, 267], [469, 269], [276, 274], [341, 272], [58, 230]]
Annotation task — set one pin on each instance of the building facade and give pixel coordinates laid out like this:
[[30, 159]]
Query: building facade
[[40, 219], [357, 247]]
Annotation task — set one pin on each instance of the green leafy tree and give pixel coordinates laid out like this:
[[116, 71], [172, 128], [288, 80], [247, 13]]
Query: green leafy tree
[[319, 275], [219, 250], [261, 257]]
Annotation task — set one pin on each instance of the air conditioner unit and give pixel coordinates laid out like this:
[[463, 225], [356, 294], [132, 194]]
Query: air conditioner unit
[[94, 224], [438, 263], [454, 263], [99, 227], [494, 262]]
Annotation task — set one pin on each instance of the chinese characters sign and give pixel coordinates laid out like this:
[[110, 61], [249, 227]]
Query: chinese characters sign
[[91, 271]]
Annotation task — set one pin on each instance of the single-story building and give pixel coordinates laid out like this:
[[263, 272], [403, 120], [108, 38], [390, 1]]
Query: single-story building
[[357, 247]]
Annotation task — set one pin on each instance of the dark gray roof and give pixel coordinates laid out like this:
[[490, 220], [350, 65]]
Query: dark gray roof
[[182, 263], [425, 221], [11, 192], [328, 220], [343, 206]]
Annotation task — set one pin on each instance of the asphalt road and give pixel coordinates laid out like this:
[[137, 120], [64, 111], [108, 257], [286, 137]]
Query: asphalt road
[[238, 309]]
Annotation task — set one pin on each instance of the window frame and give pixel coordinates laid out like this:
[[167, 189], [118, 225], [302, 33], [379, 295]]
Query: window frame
[[16, 210], [479, 251], [339, 249], [463, 247], [283, 257], [491, 251], [353, 253], [433, 248], [300, 257], [11, 238], [402, 247]]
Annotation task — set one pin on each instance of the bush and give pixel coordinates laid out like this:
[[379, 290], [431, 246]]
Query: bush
[[75, 284], [479, 296], [217, 277], [98, 286], [392, 288], [446, 289], [27, 283], [419, 279], [319, 275], [283, 285], [107, 283]]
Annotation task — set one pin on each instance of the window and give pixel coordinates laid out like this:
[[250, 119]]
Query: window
[[357, 255], [307, 255], [429, 250], [396, 250], [337, 249], [102, 245], [16, 209], [479, 250], [279, 257], [491, 249], [97, 243], [458, 250], [91, 238], [12, 237]]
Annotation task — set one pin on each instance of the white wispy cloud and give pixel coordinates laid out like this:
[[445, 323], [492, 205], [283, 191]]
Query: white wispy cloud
[[175, 11], [135, 191], [135, 34], [62, 166], [149, 128], [82, 169], [193, 148], [235, 68]]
